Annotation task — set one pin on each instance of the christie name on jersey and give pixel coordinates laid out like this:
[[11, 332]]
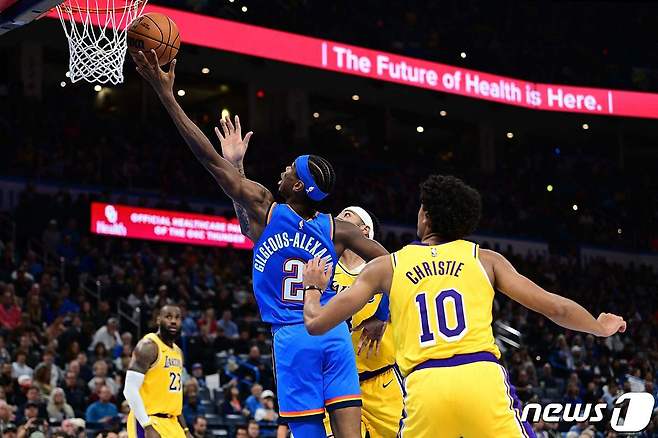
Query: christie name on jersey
[[428, 269], [283, 240]]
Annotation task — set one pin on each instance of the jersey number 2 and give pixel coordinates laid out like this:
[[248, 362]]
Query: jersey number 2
[[448, 333], [175, 384], [293, 287]]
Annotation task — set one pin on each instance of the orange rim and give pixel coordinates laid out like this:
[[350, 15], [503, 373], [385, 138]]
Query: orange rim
[[68, 8]]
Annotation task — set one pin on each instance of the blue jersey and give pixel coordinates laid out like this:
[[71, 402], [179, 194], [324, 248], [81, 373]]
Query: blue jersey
[[287, 243]]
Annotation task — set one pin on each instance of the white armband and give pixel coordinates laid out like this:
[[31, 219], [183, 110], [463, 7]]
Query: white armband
[[134, 381]]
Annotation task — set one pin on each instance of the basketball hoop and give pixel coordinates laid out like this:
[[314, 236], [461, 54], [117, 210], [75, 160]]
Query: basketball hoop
[[96, 31]]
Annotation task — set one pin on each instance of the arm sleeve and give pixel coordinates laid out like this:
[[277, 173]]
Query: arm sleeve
[[382, 312], [134, 381]]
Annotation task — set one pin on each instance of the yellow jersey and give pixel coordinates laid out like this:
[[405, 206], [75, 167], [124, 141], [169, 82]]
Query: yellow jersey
[[343, 279], [162, 390], [441, 303]]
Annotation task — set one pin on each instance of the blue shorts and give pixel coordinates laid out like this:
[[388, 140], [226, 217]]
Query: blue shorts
[[314, 372]]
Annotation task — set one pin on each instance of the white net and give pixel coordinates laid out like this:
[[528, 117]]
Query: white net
[[96, 31]]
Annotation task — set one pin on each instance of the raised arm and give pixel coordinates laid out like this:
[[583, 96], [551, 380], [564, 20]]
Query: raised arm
[[375, 277], [255, 198], [348, 236], [560, 310]]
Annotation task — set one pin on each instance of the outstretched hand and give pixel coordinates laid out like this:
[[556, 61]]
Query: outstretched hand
[[372, 332], [234, 147], [611, 324], [161, 81]]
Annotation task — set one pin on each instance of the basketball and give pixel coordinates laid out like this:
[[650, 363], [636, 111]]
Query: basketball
[[154, 31]]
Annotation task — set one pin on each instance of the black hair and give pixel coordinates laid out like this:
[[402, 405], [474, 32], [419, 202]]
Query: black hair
[[323, 173], [376, 230], [454, 207]]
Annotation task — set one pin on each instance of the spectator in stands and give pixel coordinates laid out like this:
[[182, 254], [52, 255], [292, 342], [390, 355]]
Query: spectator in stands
[[84, 371], [122, 362], [611, 393], [208, 323], [20, 366], [28, 342], [76, 392], [220, 342], [102, 411], [5, 357], [241, 432], [58, 409], [101, 353], [32, 397], [42, 381], [191, 407], [22, 280], [197, 372], [232, 404], [101, 374], [64, 306], [34, 307], [264, 374], [253, 429], [124, 412], [200, 428], [253, 401], [230, 328], [189, 329], [31, 410], [108, 335], [6, 414], [267, 412], [10, 313], [56, 372]]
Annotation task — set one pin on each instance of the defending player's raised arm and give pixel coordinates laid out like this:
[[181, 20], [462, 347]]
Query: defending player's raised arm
[[145, 354], [563, 311], [251, 195], [375, 277], [348, 236]]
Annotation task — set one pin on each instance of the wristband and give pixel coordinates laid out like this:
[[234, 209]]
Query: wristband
[[187, 429], [312, 287]]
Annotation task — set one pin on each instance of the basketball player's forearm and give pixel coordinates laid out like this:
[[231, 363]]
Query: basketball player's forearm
[[320, 319], [573, 316], [240, 212], [315, 320]]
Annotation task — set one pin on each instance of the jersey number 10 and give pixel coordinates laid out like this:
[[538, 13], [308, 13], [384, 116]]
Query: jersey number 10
[[447, 333]]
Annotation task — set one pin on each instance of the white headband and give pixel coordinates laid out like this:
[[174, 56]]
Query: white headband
[[365, 218]]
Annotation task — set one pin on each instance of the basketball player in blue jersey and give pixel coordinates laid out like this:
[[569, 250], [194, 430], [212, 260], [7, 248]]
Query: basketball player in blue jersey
[[313, 373]]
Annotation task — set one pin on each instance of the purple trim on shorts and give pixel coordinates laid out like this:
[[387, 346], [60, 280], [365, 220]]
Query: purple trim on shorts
[[456, 360], [139, 429], [516, 406]]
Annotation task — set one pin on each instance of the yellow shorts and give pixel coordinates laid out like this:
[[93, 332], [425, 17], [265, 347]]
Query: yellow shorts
[[166, 427], [473, 400], [382, 405]]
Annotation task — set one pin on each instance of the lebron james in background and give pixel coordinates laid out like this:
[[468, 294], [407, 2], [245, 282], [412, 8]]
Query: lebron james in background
[[153, 382]]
